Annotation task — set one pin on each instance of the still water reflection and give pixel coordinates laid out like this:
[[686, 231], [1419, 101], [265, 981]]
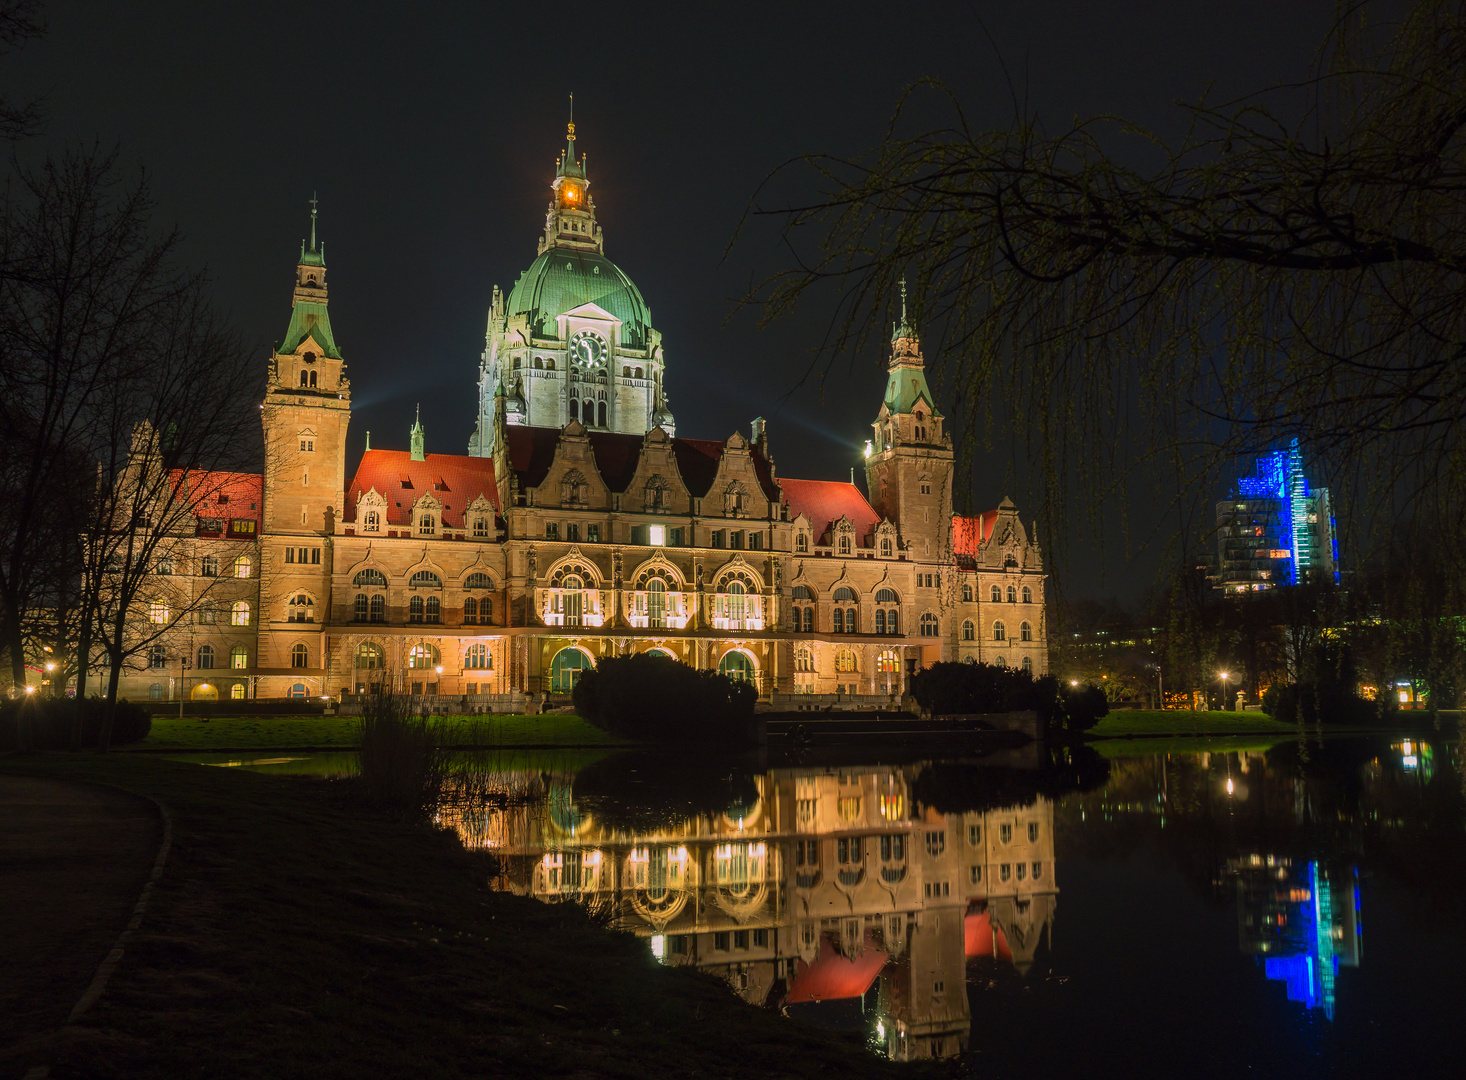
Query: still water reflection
[[1293, 910]]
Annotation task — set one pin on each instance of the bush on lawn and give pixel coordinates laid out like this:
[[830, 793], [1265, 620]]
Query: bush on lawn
[[954, 688], [656, 699], [55, 723], [1330, 697]]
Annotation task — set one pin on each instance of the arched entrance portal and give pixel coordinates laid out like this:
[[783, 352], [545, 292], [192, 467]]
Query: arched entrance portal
[[565, 669], [204, 692], [736, 665]]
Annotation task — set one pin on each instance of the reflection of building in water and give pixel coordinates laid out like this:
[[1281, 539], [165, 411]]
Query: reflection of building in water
[[1302, 920], [830, 882]]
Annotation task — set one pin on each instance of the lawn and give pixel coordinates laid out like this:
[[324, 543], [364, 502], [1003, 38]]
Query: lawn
[[293, 934], [327, 732], [1155, 722]]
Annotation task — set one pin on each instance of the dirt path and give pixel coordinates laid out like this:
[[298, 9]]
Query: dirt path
[[73, 859]]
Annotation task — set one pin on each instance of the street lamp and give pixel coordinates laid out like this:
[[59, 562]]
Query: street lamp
[[1224, 677]]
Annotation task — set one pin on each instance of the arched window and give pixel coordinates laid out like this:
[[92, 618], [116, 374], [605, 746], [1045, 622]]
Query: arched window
[[1000, 633], [244, 566], [300, 609], [566, 669], [379, 608], [844, 661], [737, 602], [299, 656], [803, 660], [422, 657], [928, 625], [1000, 662], [434, 610], [997, 595], [967, 592], [369, 656], [206, 657], [1028, 665], [425, 579], [736, 665], [1012, 595], [239, 613], [969, 632], [844, 594], [886, 596], [1025, 632], [574, 409], [802, 592], [477, 658], [155, 691], [157, 656], [601, 414], [470, 611], [1027, 595], [239, 657], [478, 581], [415, 609], [369, 577], [359, 608]]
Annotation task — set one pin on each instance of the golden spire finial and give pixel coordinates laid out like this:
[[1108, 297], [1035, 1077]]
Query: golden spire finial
[[570, 128]]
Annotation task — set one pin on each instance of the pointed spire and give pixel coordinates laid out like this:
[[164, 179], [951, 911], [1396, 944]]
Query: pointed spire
[[315, 255], [903, 329], [567, 165], [313, 229], [416, 437]]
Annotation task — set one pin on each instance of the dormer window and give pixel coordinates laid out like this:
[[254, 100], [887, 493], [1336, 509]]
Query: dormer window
[[427, 524], [801, 541], [372, 522], [480, 527], [844, 545]]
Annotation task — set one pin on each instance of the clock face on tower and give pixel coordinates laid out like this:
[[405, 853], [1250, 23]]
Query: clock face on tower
[[588, 347]]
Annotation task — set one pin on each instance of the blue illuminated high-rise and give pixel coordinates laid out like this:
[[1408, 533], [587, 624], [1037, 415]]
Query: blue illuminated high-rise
[[1276, 529]]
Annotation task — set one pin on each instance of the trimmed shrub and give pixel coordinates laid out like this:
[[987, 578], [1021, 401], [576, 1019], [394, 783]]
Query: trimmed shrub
[[954, 688], [55, 722], [656, 699]]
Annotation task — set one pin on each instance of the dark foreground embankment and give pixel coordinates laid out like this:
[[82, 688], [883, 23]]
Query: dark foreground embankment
[[292, 936]]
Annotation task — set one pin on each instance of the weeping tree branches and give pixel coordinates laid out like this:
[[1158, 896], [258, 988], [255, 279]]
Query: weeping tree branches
[[1259, 280]]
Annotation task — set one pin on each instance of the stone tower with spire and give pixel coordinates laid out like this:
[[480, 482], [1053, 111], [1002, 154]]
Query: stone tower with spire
[[305, 413], [573, 340], [909, 469]]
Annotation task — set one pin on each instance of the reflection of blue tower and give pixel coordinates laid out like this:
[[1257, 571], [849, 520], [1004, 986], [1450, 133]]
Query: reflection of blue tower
[[1304, 933]]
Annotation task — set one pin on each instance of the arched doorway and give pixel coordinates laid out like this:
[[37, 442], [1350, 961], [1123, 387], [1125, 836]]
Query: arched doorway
[[204, 692], [566, 668], [663, 653], [656, 602], [736, 665]]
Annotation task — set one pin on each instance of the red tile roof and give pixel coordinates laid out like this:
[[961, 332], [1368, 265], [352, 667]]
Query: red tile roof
[[970, 533], [980, 938], [825, 502], [832, 976], [454, 479], [224, 496]]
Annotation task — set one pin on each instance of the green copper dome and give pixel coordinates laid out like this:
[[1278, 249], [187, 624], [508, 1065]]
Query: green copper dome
[[562, 279]]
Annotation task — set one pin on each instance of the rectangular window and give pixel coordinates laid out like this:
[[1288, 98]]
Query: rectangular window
[[717, 539], [1038, 870], [593, 534], [935, 890], [740, 939], [158, 613], [244, 527], [721, 940], [315, 556], [552, 530], [674, 537], [755, 541], [974, 875], [656, 535], [1032, 831], [761, 937], [1005, 834], [1005, 872], [572, 532], [735, 540], [207, 615], [936, 843], [974, 835], [677, 944], [290, 555], [308, 445]]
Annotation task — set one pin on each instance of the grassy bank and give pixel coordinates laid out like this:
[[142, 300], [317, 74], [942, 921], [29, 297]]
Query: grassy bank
[[1155, 722], [324, 732], [293, 936]]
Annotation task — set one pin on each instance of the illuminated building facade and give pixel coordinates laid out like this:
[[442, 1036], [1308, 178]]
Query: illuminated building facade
[[1276, 529], [581, 525]]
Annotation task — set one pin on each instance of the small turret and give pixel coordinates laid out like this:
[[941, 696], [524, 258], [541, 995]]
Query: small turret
[[416, 438]]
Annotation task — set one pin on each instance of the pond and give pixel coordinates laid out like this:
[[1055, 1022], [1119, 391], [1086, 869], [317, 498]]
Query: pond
[[1294, 909]]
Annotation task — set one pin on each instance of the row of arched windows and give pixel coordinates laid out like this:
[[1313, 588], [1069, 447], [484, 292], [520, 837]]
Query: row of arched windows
[[421, 657], [421, 579], [207, 658]]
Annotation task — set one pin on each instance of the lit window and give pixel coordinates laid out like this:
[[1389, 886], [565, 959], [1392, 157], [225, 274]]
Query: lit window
[[158, 613], [477, 658], [299, 656], [239, 613], [656, 535], [244, 567], [239, 657]]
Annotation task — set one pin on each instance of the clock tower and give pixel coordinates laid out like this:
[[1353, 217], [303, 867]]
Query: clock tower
[[573, 340]]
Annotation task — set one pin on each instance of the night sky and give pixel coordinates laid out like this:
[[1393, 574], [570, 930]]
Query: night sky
[[430, 132]]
